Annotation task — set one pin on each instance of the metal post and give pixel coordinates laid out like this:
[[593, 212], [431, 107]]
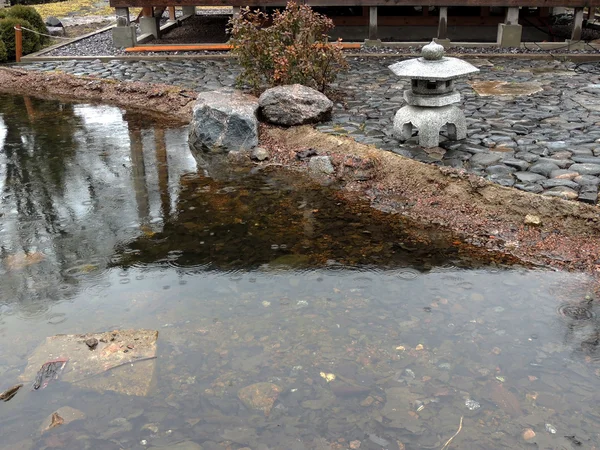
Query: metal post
[[18, 42]]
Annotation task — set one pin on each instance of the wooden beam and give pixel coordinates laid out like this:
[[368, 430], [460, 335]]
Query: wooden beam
[[172, 13], [202, 47], [255, 3]]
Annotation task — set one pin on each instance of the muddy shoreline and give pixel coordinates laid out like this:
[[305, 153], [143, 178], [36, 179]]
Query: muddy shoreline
[[484, 214]]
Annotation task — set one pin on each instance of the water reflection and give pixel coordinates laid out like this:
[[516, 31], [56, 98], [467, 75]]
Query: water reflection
[[287, 319], [67, 183]]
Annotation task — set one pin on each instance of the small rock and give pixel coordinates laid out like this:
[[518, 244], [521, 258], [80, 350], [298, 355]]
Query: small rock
[[528, 434], [355, 444], [260, 396], [92, 343], [472, 405], [321, 165], [259, 154], [530, 219], [303, 154]]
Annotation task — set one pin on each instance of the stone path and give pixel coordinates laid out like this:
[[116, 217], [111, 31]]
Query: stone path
[[547, 142]]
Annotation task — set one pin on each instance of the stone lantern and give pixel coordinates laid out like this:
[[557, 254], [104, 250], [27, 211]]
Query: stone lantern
[[430, 101]]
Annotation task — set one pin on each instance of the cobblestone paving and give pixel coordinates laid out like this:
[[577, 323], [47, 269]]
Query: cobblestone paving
[[547, 142]]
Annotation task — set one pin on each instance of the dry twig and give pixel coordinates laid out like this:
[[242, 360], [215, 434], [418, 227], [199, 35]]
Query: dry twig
[[455, 434]]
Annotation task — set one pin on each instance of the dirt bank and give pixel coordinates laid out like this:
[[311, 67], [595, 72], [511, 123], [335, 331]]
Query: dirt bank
[[482, 213], [171, 103]]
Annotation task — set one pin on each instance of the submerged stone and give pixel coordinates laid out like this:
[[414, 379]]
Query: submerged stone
[[260, 396]]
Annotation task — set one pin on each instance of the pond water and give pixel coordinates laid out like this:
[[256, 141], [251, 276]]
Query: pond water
[[286, 318]]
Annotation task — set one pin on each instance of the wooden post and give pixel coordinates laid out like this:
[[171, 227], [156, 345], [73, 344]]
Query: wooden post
[[172, 13], [148, 11], [443, 23], [577, 25], [373, 23], [18, 42]]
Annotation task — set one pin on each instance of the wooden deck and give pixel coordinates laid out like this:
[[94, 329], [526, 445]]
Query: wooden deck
[[371, 14], [447, 3]]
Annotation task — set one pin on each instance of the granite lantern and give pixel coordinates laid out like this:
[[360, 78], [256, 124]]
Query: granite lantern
[[430, 101]]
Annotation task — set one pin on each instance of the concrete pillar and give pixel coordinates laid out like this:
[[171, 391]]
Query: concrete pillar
[[575, 43], [236, 11], [150, 25], [188, 10], [372, 23], [577, 25], [123, 34], [509, 32], [442, 33]]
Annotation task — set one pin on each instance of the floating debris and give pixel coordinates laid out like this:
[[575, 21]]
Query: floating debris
[[48, 372], [550, 428], [329, 377], [10, 393]]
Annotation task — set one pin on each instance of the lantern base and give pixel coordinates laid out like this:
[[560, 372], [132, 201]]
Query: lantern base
[[429, 122]]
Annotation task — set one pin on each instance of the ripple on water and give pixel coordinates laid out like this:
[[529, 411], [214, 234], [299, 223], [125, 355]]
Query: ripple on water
[[575, 312], [408, 273], [56, 318]]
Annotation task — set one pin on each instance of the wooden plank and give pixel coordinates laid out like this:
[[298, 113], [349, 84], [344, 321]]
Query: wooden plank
[[254, 3], [202, 47], [417, 21]]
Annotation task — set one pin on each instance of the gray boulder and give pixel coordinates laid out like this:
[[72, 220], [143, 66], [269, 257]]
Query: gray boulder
[[53, 22], [224, 120], [56, 31], [294, 105]]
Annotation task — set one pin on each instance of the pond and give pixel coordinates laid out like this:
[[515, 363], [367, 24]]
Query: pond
[[287, 317]]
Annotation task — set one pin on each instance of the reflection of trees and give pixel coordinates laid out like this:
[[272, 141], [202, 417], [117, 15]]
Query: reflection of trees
[[39, 144], [77, 180], [240, 223]]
